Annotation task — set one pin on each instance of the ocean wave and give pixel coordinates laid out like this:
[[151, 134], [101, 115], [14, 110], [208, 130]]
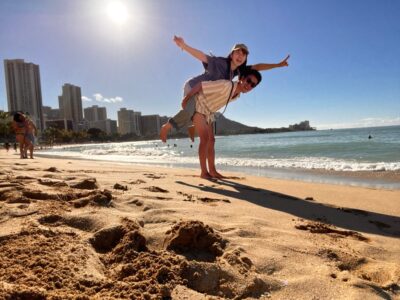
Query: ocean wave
[[311, 163], [152, 156]]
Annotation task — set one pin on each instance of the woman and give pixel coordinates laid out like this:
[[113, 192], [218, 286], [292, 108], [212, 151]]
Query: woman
[[19, 127], [215, 68]]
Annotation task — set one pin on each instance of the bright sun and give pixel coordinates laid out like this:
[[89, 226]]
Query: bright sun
[[117, 12]]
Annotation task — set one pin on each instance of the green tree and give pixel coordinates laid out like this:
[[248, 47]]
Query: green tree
[[6, 131], [96, 134]]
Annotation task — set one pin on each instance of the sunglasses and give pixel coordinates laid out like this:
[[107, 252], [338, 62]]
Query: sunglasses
[[252, 84]]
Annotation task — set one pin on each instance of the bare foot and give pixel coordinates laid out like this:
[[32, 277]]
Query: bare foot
[[216, 175], [191, 132], [164, 131], [205, 175]]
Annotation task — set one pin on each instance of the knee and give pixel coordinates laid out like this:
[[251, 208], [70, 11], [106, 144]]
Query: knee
[[204, 138]]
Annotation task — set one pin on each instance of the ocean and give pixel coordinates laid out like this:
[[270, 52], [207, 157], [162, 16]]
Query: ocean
[[290, 155]]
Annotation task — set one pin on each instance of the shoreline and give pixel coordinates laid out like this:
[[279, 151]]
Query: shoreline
[[89, 228], [388, 180]]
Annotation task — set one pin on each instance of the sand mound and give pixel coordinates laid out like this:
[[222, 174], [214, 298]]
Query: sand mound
[[195, 240], [52, 182], [95, 198], [54, 263], [86, 184], [119, 186]]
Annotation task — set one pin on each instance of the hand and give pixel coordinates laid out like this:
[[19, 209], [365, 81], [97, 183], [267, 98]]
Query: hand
[[284, 62], [179, 41]]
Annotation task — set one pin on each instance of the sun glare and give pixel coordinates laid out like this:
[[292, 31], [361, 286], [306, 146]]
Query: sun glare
[[117, 12]]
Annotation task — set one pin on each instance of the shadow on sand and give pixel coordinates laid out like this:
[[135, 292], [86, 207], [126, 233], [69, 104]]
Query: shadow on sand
[[344, 217]]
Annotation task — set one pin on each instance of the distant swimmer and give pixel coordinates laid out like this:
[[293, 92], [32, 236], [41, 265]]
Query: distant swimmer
[[370, 137]]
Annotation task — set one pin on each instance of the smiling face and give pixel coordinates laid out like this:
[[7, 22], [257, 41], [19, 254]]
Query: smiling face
[[238, 57], [248, 83]]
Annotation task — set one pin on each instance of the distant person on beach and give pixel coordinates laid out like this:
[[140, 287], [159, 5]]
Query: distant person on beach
[[19, 127], [30, 134], [209, 97], [25, 131], [7, 146], [215, 68]]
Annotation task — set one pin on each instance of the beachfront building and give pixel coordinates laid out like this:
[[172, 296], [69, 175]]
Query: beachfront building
[[24, 91], [151, 125], [108, 126], [95, 113], [97, 118], [70, 103], [62, 124], [50, 113], [129, 122]]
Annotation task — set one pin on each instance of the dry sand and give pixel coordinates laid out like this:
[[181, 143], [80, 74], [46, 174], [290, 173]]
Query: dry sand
[[73, 229]]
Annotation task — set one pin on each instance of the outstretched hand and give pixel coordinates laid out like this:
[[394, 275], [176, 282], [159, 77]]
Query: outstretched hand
[[284, 62], [179, 41]]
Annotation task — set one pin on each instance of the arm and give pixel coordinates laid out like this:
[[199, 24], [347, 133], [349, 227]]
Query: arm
[[192, 51], [14, 126], [264, 67], [34, 131], [196, 89]]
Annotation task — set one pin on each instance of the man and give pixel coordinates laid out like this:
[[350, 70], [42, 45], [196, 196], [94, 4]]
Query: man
[[211, 96]]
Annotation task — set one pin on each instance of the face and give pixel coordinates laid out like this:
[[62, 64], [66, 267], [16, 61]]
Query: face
[[249, 83], [238, 57]]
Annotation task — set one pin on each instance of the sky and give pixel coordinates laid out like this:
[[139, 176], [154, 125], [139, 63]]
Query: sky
[[344, 66]]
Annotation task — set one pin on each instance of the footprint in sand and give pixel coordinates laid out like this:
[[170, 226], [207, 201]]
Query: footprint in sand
[[317, 227], [357, 212], [153, 176], [383, 276], [155, 189], [138, 181], [88, 223], [379, 224]]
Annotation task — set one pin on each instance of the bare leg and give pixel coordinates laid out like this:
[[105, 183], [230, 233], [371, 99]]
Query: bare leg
[[164, 131], [201, 126], [211, 153], [21, 141], [30, 148]]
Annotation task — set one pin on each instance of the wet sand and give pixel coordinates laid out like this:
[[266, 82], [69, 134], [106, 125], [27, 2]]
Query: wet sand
[[95, 230]]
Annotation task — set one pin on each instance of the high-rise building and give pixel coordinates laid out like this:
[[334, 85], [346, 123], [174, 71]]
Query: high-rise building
[[129, 122], [50, 113], [151, 125], [70, 103], [24, 92], [95, 113], [108, 126]]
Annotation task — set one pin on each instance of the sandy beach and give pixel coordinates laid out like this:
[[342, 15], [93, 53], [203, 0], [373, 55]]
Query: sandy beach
[[76, 229]]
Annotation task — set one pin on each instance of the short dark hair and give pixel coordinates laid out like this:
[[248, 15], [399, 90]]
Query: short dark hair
[[249, 71], [18, 117]]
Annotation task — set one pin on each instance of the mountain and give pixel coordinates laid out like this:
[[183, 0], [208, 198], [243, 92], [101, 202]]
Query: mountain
[[226, 126]]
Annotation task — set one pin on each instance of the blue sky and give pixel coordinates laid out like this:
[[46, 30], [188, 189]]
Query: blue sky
[[344, 69]]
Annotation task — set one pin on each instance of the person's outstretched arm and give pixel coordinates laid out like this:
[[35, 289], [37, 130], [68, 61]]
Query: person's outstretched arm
[[192, 51], [196, 89], [264, 67]]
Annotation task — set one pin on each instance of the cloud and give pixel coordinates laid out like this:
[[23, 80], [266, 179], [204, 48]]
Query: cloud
[[366, 122], [84, 98], [100, 98]]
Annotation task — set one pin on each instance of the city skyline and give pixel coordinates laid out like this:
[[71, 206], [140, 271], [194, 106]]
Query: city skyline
[[343, 72]]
